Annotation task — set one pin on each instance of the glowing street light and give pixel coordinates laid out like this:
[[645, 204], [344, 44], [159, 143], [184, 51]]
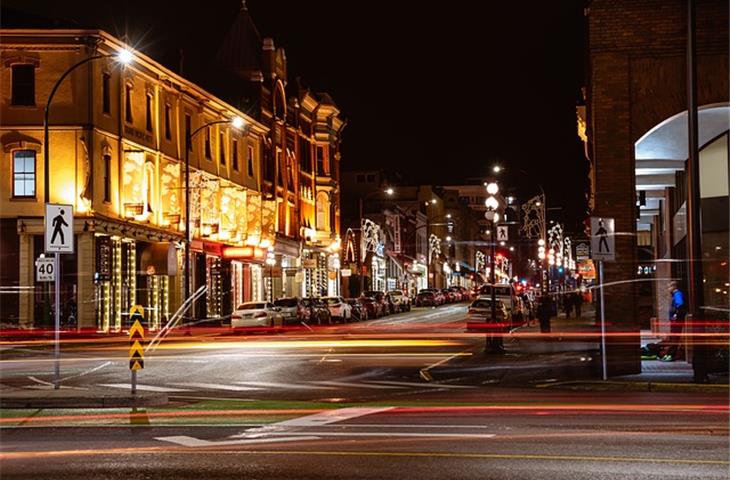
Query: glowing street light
[[389, 191], [491, 203], [496, 169], [492, 188]]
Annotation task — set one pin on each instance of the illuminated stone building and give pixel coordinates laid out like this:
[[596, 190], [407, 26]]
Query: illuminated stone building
[[117, 150], [301, 157]]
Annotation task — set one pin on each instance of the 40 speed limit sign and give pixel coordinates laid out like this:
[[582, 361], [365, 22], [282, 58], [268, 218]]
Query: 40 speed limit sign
[[45, 269]]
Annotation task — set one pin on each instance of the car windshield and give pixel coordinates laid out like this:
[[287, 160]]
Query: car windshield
[[286, 302], [502, 291], [252, 306], [484, 304]]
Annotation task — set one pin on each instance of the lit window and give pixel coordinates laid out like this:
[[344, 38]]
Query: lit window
[[24, 173]]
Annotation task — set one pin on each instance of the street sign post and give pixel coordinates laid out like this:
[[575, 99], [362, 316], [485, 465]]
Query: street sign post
[[502, 233], [59, 238], [136, 341], [603, 248], [45, 269]]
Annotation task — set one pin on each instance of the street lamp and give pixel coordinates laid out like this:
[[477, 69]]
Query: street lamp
[[123, 57], [236, 122]]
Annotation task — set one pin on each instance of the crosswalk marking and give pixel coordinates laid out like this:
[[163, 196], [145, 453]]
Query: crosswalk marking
[[331, 416], [291, 386], [216, 386], [146, 388], [352, 384], [420, 385]]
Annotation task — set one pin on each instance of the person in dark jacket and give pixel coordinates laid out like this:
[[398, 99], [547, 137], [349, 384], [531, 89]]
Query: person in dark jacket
[[545, 309]]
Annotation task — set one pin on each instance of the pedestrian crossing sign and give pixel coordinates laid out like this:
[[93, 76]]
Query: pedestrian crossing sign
[[59, 228], [603, 239]]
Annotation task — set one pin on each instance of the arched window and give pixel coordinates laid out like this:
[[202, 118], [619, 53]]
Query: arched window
[[323, 208]]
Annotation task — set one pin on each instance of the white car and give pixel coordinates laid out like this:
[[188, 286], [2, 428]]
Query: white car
[[339, 308], [256, 315], [401, 300]]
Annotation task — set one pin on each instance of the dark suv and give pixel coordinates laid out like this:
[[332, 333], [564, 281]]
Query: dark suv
[[386, 306], [319, 313]]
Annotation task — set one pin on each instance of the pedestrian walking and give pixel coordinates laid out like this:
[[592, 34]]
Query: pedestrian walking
[[578, 303], [545, 310], [677, 314]]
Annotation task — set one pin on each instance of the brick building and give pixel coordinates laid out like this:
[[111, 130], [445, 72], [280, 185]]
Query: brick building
[[636, 117]]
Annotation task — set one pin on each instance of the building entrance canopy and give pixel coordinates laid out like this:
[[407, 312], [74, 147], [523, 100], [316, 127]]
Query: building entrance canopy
[[663, 150]]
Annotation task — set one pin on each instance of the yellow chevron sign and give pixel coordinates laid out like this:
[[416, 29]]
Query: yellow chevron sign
[[136, 339]]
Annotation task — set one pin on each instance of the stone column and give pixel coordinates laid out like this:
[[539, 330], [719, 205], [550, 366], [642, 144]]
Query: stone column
[[85, 267], [26, 278]]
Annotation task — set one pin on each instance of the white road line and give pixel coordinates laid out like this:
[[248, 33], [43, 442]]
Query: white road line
[[353, 384], [287, 386], [215, 386], [44, 385], [409, 425], [197, 442], [331, 416], [86, 372], [420, 385], [389, 434], [146, 388]]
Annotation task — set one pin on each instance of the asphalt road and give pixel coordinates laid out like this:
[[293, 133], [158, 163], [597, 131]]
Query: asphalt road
[[679, 439], [346, 402]]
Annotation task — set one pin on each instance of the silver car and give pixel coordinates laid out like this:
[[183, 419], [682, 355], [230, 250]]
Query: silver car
[[256, 315]]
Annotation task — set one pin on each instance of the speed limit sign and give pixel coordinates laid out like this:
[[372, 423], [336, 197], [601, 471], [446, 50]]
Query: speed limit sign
[[45, 269]]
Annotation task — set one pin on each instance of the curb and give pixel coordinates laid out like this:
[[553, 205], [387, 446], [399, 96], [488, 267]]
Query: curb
[[640, 386], [110, 401]]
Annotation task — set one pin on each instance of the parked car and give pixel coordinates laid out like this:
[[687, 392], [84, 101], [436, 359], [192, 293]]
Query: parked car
[[401, 300], [319, 313], [262, 315], [479, 315], [292, 310], [380, 297], [458, 295], [426, 299], [449, 296], [373, 307], [339, 308], [359, 311]]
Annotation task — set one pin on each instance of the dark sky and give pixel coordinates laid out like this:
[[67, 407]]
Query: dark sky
[[437, 90]]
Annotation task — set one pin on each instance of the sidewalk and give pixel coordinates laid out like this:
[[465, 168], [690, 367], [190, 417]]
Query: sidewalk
[[568, 357]]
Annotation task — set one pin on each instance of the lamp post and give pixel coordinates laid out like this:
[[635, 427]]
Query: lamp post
[[236, 122], [388, 191], [124, 57], [493, 344]]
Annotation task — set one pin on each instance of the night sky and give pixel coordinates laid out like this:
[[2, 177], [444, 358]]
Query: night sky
[[438, 91]]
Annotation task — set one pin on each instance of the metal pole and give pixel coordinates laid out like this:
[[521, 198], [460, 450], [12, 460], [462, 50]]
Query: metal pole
[[188, 235], [696, 287], [493, 279], [57, 334], [362, 253], [134, 382], [428, 250], [603, 321]]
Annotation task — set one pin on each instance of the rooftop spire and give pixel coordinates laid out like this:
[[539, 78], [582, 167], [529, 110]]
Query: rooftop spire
[[243, 5]]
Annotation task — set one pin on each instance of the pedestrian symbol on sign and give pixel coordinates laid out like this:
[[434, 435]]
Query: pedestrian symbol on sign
[[58, 224], [603, 239], [502, 233], [59, 221]]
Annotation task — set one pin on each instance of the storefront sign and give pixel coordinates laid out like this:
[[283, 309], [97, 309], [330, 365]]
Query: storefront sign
[[309, 263], [582, 252], [346, 272], [243, 253]]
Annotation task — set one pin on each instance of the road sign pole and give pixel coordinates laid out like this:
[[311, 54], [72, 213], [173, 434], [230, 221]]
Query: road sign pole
[[134, 382], [603, 321], [57, 336]]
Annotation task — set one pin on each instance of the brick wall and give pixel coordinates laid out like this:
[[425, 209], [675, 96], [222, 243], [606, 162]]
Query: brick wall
[[637, 65]]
